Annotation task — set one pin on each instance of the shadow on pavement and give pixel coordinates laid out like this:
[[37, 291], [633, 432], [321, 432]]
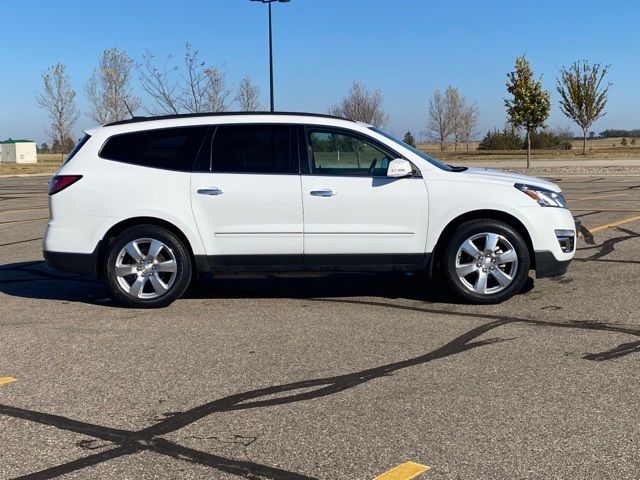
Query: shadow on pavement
[[151, 439], [36, 280]]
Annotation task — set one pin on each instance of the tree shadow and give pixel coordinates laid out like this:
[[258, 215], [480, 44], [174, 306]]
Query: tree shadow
[[127, 442], [608, 246]]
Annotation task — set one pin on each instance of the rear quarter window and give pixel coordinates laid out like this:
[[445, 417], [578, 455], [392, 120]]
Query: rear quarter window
[[76, 148], [167, 148]]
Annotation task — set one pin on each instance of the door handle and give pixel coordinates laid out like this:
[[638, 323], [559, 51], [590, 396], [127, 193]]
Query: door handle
[[325, 192], [210, 191]]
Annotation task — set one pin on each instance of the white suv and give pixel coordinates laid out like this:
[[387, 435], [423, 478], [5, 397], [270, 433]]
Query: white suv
[[148, 203]]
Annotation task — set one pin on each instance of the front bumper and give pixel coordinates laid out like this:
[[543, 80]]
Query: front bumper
[[547, 265]]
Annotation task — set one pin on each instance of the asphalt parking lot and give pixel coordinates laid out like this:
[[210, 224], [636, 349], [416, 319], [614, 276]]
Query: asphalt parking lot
[[336, 377]]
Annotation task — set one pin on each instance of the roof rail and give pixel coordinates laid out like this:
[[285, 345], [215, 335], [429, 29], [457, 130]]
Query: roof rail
[[218, 114]]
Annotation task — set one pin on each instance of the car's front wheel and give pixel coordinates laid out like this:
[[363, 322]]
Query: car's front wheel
[[486, 261], [147, 266]]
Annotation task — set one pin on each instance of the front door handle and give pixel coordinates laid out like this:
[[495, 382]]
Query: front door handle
[[325, 192], [210, 191]]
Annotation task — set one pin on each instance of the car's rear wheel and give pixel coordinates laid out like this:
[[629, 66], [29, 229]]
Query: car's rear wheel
[[486, 261], [147, 266]]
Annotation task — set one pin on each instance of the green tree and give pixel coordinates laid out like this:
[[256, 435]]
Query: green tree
[[507, 139], [633, 142], [624, 142], [550, 139], [530, 105], [408, 138], [583, 94]]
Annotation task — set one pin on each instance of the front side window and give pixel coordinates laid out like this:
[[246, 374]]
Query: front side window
[[167, 148], [340, 153], [252, 149], [420, 153]]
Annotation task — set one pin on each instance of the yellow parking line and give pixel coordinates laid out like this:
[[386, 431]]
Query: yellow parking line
[[4, 380], [595, 197], [614, 224], [404, 471]]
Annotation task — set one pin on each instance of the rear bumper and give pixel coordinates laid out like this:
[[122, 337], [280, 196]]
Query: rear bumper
[[80, 263], [547, 265]]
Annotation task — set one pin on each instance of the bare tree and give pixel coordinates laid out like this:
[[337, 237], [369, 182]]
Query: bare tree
[[362, 105], [98, 111], [109, 88], [454, 105], [450, 115], [468, 123], [159, 85], [438, 118], [197, 88], [195, 80], [58, 98], [217, 92], [204, 89], [248, 96]]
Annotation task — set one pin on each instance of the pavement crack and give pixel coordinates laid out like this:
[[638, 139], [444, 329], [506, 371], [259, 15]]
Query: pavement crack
[[236, 441]]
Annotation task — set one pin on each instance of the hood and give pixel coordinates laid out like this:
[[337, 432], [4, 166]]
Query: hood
[[510, 177]]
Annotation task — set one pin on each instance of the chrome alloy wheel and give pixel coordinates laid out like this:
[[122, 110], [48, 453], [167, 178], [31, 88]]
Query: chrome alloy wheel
[[146, 268], [486, 263]]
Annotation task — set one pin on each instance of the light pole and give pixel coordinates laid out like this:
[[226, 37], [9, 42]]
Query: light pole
[[271, 46]]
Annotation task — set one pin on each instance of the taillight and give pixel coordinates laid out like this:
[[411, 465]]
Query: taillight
[[60, 182]]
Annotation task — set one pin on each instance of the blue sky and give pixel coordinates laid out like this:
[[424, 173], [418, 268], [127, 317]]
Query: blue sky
[[407, 48]]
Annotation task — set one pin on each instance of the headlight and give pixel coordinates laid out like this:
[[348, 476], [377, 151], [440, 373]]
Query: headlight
[[544, 197]]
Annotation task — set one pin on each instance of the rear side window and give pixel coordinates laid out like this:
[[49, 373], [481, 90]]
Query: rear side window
[[253, 149], [167, 148]]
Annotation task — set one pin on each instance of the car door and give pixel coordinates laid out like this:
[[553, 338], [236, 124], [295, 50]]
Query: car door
[[353, 212], [246, 196]]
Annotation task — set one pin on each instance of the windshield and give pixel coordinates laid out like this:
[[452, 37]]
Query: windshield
[[420, 153]]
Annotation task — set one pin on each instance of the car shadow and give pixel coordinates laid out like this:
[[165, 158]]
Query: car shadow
[[36, 280]]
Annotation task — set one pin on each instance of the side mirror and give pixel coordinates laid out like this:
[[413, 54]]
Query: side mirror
[[399, 168]]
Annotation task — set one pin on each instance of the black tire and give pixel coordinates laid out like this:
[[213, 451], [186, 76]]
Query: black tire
[[176, 282], [518, 271]]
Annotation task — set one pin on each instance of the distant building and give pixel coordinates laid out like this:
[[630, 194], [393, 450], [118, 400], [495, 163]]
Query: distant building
[[18, 151]]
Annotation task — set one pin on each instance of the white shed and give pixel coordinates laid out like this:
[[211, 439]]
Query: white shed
[[18, 151]]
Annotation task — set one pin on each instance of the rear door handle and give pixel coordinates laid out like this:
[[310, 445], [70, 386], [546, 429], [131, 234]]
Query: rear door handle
[[325, 192], [210, 191]]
